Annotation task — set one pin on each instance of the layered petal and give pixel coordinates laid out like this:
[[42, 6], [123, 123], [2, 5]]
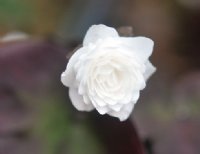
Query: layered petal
[[150, 69], [97, 32], [77, 101], [68, 76], [124, 113], [142, 47]]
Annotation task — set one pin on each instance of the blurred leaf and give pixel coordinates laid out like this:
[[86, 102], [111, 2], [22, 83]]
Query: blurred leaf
[[53, 124], [62, 135], [14, 12], [84, 141]]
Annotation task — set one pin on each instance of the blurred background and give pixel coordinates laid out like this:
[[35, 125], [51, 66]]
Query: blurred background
[[36, 116]]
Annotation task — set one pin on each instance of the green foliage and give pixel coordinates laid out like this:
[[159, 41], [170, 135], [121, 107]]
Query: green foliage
[[83, 140], [14, 12], [62, 135], [53, 125]]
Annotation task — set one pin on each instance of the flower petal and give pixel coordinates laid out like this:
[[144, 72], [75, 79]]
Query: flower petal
[[78, 102], [68, 76], [116, 107], [102, 110], [135, 96], [97, 32], [150, 69], [124, 113], [141, 46]]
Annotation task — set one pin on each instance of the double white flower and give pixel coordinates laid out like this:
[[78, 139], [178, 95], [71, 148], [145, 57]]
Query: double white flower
[[108, 72]]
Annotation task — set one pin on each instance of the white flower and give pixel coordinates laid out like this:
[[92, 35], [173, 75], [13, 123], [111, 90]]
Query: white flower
[[108, 72]]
